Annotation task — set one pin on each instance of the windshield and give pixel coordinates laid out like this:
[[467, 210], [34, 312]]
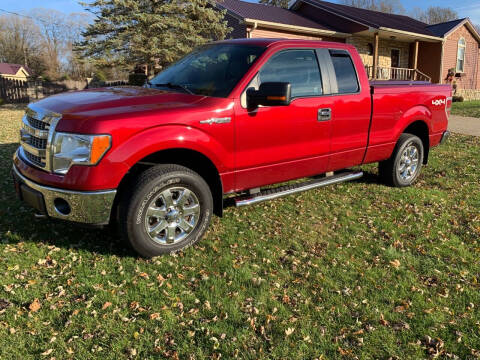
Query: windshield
[[211, 70]]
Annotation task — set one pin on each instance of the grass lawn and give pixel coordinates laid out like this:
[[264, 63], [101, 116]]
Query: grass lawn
[[466, 108], [357, 270]]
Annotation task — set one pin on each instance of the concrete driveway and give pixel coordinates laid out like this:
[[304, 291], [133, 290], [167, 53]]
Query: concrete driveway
[[464, 125]]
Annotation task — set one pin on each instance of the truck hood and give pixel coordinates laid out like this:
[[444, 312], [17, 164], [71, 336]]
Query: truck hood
[[116, 100]]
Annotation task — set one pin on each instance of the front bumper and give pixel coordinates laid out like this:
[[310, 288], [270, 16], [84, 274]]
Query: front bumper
[[86, 207]]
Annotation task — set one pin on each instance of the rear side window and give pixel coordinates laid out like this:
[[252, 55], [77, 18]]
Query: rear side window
[[298, 67], [345, 72]]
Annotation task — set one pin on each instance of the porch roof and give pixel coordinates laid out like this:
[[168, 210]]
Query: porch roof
[[372, 19]]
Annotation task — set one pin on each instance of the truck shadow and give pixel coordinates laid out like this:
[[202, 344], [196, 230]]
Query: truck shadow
[[18, 223]]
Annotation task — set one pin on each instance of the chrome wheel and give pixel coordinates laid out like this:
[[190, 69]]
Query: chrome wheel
[[172, 215], [408, 165]]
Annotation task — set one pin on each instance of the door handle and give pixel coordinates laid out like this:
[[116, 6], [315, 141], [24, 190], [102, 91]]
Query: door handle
[[324, 114]]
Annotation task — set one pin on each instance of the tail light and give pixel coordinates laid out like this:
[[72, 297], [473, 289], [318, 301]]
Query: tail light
[[448, 106]]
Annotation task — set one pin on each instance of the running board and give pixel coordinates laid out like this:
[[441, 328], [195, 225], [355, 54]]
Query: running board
[[270, 194]]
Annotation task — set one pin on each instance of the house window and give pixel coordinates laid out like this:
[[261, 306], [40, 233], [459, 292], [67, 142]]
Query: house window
[[461, 55]]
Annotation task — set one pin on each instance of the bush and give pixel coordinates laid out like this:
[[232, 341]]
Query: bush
[[2, 101], [137, 79], [458, 99], [99, 77]]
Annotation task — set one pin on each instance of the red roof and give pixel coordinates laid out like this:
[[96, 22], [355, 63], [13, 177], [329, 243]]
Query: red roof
[[12, 69]]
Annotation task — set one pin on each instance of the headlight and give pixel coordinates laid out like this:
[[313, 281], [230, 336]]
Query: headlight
[[73, 149]]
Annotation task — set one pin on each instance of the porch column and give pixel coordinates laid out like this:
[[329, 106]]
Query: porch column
[[375, 55], [415, 58]]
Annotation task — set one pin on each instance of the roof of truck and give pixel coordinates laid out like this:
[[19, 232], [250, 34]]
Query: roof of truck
[[266, 42]]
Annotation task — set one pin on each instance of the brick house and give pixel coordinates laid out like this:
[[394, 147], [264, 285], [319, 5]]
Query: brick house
[[391, 46]]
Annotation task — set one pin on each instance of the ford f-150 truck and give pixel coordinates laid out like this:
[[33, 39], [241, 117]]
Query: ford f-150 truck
[[233, 117]]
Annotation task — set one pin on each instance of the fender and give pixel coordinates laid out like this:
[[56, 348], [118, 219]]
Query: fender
[[417, 113], [385, 136], [165, 137]]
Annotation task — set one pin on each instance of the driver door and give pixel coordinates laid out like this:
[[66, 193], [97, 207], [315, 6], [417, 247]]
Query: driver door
[[280, 143]]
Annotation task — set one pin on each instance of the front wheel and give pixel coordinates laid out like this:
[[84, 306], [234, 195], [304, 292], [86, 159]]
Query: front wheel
[[405, 164], [169, 210]]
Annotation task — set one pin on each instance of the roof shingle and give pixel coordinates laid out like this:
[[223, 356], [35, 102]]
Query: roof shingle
[[375, 19], [269, 13], [443, 28]]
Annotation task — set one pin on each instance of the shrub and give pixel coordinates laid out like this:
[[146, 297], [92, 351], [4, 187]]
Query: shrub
[[100, 77], [137, 79], [458, 99], [2, 101]]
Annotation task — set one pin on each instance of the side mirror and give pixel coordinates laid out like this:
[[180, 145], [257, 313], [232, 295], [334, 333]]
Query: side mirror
[[270, 94]]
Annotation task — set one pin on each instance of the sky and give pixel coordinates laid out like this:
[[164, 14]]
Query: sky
[[465, 8]]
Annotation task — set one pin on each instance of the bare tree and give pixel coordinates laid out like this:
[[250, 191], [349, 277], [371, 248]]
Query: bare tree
[[20, 42], [386, 6], [53, 29], [435, 15]]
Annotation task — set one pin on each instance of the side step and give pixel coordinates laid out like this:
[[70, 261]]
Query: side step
[[270, 194]]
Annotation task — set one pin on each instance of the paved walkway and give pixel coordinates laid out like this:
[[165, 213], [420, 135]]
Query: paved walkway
[[464, 125]]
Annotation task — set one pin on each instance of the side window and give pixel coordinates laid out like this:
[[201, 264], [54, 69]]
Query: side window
[[298, 67], [345, 72]]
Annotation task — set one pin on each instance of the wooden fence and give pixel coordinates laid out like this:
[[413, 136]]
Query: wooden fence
[[21, 91], [13, 91]]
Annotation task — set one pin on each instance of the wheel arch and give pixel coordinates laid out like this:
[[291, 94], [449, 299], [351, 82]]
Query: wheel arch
[[420, 128], [189, 158]]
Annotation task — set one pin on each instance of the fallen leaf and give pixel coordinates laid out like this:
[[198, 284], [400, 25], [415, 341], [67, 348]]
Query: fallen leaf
[[47, 352], [395, 263], [35, 306], [289, 331], [106, 305]]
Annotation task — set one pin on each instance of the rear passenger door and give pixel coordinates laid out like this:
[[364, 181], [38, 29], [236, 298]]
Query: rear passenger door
[[351, 110]]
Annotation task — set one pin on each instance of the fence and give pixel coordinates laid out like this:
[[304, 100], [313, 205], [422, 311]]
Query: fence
[[13, 91], [21, 91], [392, 73]]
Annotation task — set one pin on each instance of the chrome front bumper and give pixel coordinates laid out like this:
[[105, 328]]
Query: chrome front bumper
[[86, 207]]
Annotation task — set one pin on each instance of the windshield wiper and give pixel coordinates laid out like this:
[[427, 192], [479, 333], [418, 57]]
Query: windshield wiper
[[175, 86]]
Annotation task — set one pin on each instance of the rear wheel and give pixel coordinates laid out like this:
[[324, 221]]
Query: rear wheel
[[169, 210], [405, 164]]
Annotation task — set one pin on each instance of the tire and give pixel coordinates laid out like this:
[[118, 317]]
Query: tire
[[405, 164], [169, 210]]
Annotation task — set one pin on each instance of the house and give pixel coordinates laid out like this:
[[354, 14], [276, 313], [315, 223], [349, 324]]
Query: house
[[15, 71], [391, 46]]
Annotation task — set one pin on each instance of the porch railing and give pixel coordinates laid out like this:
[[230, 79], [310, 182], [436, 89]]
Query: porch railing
[[394, 73]]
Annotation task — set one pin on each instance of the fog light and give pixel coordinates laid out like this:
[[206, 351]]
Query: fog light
[[62, 206]]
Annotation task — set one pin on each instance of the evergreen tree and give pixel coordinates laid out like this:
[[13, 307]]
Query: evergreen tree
[[130, 32], [281, 3]]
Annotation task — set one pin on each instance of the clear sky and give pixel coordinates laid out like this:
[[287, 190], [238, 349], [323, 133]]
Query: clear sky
[[465, 8]]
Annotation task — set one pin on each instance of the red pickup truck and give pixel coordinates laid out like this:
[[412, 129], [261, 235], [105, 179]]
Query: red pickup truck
[[232, 117]]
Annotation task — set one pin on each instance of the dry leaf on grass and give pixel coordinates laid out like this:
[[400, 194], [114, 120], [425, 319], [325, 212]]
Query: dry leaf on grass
[[395, 263], [35, 306], [106, 305]]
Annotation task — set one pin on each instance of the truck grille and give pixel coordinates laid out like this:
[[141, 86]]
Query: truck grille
[[37, 128], [37, 124], [38, 143], [35, 160]]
